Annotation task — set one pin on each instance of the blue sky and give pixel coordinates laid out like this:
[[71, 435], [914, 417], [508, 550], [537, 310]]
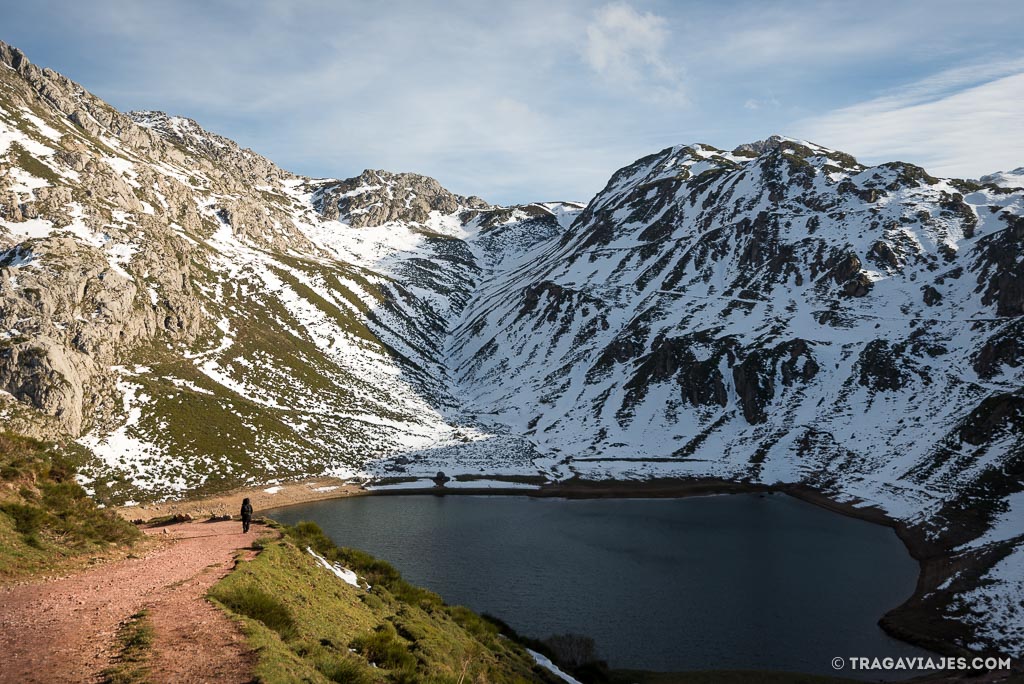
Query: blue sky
[[541, 100]]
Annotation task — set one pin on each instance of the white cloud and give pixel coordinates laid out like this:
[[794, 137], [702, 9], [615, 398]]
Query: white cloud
[[754, 103], [627, 48], [524, 100], [945, 83], [949, 123]]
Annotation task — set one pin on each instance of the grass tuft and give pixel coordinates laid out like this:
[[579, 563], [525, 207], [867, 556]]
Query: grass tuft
[[384, 648], [135, 643], [255, 603], [342, 669]]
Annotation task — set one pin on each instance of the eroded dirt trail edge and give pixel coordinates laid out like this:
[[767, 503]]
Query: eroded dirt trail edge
[[64, 630]]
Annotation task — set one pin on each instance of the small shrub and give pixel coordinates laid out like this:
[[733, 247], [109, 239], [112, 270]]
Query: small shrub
[[406, 675], [11, 471], [309, 534], [27, 518], [417, 596], [478, 626], [408, 627], [342, 669], [257, 604], [383, 647], [63, 495], [372, 601], [107, 527]]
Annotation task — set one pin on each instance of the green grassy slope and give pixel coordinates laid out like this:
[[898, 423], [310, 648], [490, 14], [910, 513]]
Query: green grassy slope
[[46, 520], [308, 625]]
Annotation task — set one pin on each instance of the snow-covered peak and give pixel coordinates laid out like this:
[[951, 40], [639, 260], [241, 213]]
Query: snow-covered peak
[[378, 197], [702, 163], [186, 132], [1006, 179], [785, 144]]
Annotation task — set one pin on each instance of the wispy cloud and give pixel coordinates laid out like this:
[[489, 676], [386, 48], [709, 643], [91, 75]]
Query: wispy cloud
[[959, 122], [627, 49], [540, 99], [754, 103]]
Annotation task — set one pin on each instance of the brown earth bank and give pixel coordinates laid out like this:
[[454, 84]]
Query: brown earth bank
[[920, 620], [65, 629], [261, 497]]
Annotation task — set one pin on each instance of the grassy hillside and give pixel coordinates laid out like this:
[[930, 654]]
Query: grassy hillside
[[46, 520], [309, 625]]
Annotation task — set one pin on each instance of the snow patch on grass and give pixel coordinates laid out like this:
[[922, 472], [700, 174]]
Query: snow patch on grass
[[342, 573], [546, 663]]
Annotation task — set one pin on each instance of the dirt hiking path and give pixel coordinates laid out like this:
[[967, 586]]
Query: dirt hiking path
[[64, 630], [264, 497]]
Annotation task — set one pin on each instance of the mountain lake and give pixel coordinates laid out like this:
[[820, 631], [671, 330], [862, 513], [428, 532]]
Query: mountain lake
[[740, 581]]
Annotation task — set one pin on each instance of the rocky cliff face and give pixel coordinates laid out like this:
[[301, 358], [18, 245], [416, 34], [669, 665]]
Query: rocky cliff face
[[198, 318], [375, 198], [76, 213]]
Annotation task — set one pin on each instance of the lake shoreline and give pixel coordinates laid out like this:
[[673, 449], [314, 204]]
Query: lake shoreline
[[918, 620], [906, 622], [290, 493]]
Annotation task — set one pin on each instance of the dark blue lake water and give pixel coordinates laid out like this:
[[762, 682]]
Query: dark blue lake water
[[724, 582]]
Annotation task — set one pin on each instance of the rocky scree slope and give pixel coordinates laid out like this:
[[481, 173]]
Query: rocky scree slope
[[197, 318]]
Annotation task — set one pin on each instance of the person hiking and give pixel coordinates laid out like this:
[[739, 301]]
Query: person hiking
[[246, 515]]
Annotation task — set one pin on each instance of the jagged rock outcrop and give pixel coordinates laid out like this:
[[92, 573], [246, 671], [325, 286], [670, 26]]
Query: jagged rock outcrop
[[1001, 270], [377, 197], [701, 382]]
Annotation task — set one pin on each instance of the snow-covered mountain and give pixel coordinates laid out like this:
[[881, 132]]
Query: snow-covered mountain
[[774, 312], [1005, 179], [196, 318]]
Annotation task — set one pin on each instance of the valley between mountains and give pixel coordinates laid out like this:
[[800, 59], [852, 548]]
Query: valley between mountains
[[189, 318]]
